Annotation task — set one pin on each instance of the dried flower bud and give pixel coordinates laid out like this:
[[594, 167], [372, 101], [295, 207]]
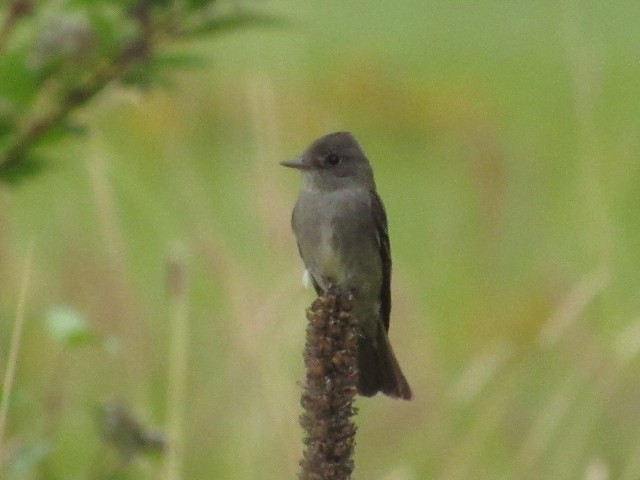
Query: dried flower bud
[[330, 389]]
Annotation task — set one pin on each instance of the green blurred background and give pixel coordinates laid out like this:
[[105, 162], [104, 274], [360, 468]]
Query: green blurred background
[[504, 137]]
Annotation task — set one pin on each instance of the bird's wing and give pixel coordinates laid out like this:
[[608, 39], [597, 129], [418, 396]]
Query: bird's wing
[[384, 248], [315, 284]]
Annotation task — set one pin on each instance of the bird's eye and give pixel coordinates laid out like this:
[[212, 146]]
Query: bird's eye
[[332, 159]]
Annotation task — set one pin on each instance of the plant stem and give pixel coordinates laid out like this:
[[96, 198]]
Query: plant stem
[[177, 381], [76, 96], [17, 9], [16, 336], [94, 83]]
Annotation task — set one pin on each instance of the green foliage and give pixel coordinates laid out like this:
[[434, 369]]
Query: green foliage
[[218, 24], [75, 49], [157, 71], [18, 81], [13, 173]]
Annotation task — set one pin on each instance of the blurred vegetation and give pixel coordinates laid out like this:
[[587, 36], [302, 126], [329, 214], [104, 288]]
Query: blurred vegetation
[[71, 50], [504, 137]]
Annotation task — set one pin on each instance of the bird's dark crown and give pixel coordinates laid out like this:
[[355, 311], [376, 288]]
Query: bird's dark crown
[[338, 152]]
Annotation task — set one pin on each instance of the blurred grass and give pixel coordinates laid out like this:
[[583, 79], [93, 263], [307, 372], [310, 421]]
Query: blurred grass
[[504, 140]]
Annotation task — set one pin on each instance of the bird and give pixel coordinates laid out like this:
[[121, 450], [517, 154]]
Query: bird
[[340, 225]]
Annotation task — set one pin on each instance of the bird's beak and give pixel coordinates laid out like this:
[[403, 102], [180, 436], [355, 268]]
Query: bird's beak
[[297, 163]]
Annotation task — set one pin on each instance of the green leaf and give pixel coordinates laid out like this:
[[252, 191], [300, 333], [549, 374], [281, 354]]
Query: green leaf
[[107, 35], [141, 75], [8, 123], [59, 132], [21, 168], [178, 61], [18, 82], [197, 4], [153, 71], [92, 4], [31, 162], [234, 21], [68, 327]]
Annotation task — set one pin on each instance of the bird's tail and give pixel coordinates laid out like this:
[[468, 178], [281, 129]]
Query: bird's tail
[[378, 368]]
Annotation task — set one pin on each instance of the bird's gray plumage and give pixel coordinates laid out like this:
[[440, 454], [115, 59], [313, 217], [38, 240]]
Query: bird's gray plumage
[[341, 228]]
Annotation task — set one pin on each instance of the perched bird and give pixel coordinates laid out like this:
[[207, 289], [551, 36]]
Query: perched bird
[[341, 227]]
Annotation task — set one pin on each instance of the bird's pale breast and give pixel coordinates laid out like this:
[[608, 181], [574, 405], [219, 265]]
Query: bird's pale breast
[[337, 241]]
